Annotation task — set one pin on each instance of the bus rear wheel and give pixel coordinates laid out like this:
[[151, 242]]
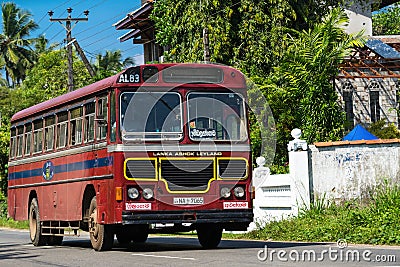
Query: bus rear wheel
[[209, 235], [35, 226], [101, 235]]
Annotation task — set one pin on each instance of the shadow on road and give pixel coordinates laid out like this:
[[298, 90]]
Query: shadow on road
[[14, 251], [170, 243]]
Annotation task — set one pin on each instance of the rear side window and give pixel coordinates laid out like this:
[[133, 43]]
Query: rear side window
[[13, 142], [89, 121], [76, 124], [62, 127], [37, 136]]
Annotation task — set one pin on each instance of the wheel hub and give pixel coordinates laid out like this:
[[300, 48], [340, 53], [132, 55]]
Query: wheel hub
[[93, 226]]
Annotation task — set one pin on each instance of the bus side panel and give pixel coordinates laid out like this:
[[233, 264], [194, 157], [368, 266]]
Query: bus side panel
[[60, 196]]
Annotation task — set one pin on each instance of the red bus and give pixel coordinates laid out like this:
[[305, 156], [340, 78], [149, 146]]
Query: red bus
[[155, 148]]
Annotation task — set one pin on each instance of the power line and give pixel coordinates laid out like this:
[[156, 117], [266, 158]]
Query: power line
[[68, 28], [48, 27], [112, 18]]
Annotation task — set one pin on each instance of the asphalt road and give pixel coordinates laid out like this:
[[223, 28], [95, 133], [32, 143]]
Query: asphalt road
[[16, 250]]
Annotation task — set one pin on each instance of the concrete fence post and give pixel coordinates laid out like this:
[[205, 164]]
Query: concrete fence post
[[300, 172]]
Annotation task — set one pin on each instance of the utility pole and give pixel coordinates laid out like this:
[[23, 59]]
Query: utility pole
[[206, 46], [83, 57], [68, 27]]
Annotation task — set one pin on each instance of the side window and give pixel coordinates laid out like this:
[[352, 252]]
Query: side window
[[37, 136], [76, 121], [62, 125], [13, 142], [113, 123], [102, 117], [89, 121], [20, 140], [49, 133], [28, 138]]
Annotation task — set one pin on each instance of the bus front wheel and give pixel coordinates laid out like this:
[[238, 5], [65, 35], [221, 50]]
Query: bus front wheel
[[209, 235], [101, 235], [35, 227]]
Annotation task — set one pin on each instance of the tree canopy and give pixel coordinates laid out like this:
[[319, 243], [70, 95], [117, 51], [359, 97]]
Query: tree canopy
[[387, 21], [15, 40], [290, 49]]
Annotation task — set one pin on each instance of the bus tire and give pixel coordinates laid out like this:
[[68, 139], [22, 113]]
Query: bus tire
[[35, 226], [101, 235], [209, 235]]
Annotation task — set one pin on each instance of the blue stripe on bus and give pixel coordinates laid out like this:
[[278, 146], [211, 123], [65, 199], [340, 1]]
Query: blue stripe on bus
[[76, 166]]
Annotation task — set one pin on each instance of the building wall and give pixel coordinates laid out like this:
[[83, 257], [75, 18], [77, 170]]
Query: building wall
[[360, 16], [349, 171], [361, 91]]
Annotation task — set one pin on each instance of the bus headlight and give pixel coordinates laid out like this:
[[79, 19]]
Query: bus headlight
[[133, 193], [225, 192], [148, 193], [239, 192]]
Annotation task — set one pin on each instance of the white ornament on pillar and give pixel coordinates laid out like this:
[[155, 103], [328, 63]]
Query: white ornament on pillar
[[297, 143]]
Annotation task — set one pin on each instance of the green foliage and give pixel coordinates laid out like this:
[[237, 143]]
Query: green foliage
[[377, 222], [299, 89], [110, 63], [387, 21], [15, 41], [48, 78], [309, 64], [380, 130], [290, 49], [3, 206]]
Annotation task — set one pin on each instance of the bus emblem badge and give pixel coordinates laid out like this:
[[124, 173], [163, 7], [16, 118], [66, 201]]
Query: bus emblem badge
[[48, 170]]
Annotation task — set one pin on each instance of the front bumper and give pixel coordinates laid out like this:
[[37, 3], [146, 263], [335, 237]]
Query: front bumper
[[189, 216]]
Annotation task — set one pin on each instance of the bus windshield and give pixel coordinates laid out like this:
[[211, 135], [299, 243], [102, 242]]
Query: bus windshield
[[216, 116], [151, 116]]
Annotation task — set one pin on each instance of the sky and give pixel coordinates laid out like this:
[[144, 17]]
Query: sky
[[95, 35]]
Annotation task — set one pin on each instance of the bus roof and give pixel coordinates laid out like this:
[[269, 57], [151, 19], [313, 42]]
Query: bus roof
[[117, 80]]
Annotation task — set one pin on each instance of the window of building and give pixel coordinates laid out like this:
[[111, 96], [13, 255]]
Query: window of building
[[28, 138], [375, 110], [62, 127], [101, 122], [348, 104], [37, 136], [374, 106], [398, 102], [49, 132], [89, 121], [76, 122], [20, 140]]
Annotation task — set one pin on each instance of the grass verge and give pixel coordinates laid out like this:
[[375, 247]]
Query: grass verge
[[8, 222], [375, 221]]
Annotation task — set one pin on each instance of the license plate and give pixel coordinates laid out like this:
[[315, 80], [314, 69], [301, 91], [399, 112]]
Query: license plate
[[188, 200]]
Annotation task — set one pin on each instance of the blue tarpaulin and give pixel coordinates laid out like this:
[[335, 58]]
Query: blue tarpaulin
[[359, 133]]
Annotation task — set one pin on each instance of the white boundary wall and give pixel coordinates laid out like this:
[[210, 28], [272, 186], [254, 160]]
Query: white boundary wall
[[332, 171]]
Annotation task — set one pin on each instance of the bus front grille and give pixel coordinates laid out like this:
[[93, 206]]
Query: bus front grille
[[236, 168], [140, 169], [186, 174]]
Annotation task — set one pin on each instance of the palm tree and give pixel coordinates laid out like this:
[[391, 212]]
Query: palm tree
[[15, 41], [41, 45], [111, 63]]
